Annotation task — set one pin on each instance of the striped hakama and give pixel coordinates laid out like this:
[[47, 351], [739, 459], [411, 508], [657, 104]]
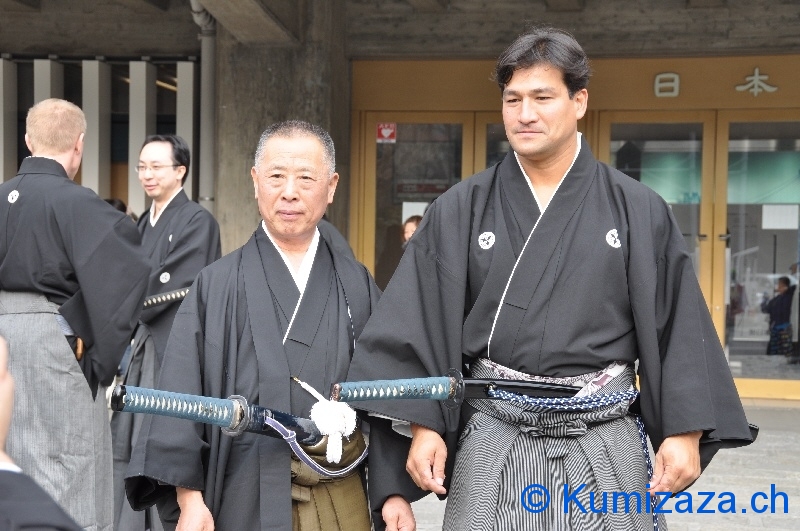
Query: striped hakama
[[59, 434], [505, 447]]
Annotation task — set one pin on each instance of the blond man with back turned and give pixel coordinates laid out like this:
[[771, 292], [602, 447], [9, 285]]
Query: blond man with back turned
[[72, 282]]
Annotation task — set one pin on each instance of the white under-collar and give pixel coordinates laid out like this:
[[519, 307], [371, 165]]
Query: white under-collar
[[9, 467], [300, 276], [543, 207], [154, 217], [541, 215]]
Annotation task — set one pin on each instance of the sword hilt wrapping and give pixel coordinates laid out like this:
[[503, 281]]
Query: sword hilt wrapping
[[446, 388], [163, 298], [217, 411]]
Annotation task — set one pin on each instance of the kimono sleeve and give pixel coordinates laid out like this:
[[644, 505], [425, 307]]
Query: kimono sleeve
[[416, 329], [685, 379], [104, 249], [173, 452]]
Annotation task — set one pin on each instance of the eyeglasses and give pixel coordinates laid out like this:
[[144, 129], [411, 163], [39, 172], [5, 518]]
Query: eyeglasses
[[155, 168]]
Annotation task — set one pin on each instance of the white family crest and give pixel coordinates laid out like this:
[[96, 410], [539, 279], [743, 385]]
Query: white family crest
[[612, 238], [13, 196], [164, 278], [486, 240]]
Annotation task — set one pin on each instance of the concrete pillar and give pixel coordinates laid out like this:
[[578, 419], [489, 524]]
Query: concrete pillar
[[8, 118], [185, 122], [260, 85], [96, 165], [48, 80], [142, 122], [206, 158]]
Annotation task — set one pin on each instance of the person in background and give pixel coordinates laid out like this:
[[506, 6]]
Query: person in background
[[180, 238], [72, 283], [409, 226], [779, 309], [120, 205]]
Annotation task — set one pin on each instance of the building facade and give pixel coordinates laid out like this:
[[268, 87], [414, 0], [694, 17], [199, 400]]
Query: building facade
[[695, 98]]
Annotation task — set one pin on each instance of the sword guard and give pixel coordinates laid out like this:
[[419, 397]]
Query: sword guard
[[240, 413], [456, 396]]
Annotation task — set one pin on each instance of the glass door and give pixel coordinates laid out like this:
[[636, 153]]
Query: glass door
[[672, 153], [759, 170], [410, 159], [491, 144]]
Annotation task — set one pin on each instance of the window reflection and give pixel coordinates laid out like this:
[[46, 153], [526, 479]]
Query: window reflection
[[668, 159], [422, 164], [763, 197]]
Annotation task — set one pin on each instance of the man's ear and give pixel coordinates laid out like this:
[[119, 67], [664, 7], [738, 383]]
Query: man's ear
[[28, 143], [332, 182], [79, 145], [254, 174]]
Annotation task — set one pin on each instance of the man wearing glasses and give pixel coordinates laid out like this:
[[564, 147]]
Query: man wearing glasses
[[180, 238]]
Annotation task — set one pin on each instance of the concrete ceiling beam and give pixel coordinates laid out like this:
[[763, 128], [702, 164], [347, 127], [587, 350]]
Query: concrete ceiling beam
[[429, 6], [32, 4], [275, 22], [556, 6], [163, 5], [705, 3]]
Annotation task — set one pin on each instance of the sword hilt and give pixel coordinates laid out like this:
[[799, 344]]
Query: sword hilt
[[222, 412], [232, 414], [449, 389], [163, 298]]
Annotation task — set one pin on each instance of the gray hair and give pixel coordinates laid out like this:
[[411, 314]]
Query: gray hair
[[290, 128]]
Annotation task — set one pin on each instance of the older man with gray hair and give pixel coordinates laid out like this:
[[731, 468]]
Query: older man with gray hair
[[286, 307]]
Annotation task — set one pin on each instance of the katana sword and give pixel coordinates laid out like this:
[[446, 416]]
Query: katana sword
[[451, 389], [163, 298], [233, 414]]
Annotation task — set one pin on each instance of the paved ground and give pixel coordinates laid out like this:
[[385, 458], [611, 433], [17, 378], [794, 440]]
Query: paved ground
[[773, 459]]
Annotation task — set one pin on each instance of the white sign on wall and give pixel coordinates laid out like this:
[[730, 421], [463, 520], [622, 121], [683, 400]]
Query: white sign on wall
[[780, 217]]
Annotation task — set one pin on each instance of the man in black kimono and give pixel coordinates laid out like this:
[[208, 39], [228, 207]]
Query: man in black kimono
[[72, 283], [286, 304], [180, 237], [551, 266]]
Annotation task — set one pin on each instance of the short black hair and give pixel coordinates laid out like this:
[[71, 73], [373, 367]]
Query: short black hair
[[545, 45], [181, 155]]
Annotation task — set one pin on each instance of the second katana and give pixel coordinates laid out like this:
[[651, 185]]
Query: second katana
[[451, 389]]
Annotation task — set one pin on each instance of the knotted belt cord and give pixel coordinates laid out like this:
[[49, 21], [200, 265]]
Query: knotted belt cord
[[291, 439], [587, 403]]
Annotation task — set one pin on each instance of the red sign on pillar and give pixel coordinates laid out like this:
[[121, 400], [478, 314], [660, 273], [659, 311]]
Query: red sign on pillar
[[386, 133]]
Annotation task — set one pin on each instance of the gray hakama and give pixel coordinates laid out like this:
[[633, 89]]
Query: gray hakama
[[505, 447], [78, 480]]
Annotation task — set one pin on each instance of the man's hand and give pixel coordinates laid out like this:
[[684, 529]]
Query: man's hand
[[398, 515], [195, 516], [677, 463], [426, 459]]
